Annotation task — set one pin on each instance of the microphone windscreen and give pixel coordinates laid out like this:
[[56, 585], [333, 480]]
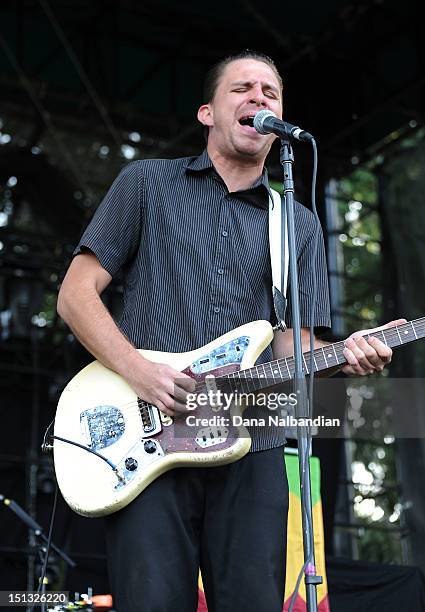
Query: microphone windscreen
[[259, 119]]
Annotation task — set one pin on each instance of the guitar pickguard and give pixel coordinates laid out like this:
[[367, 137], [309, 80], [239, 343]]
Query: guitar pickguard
[[99, 410], [101, 426], [227, 354]]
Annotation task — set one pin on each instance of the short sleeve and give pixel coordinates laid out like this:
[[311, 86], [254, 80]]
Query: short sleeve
[[113, 234], [305, 227]]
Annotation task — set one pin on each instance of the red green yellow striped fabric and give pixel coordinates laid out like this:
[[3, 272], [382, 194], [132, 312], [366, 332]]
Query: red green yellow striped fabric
[[295, 555]]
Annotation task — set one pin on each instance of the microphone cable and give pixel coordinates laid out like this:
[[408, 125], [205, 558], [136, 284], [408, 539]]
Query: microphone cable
[[47, 550]]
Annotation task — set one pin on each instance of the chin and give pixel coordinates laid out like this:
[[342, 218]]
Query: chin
[[252, 146], [252, 151]]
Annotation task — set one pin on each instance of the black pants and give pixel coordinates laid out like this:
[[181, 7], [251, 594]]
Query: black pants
[[229, 520]]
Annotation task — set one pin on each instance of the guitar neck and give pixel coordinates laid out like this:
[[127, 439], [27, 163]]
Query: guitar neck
[[281, 370]]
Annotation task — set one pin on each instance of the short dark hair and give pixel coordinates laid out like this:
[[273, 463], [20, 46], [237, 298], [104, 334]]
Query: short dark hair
[[216, 72]]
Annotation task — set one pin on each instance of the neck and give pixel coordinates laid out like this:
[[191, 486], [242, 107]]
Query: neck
[[238, 174], [280, 370]]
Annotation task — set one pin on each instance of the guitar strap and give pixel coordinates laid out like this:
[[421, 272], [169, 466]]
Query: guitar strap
[[278, 236]]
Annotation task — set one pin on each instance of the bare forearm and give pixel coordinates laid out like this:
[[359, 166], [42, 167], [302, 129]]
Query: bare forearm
[[283, 346], [92, 324], [80, 306]]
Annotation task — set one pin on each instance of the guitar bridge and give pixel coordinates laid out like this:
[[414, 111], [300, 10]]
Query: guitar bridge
[[151, 422]]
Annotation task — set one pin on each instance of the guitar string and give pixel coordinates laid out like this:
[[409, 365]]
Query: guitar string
[[245, 376], [393, 334], [390, 333]]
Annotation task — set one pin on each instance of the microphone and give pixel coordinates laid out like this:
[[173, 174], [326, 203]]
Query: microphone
[[266, 122]]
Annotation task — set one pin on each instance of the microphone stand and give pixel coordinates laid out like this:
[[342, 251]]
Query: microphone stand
[[39, 533], [302, 407], [34, 526]]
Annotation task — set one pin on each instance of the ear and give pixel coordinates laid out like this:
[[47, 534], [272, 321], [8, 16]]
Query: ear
[[205, 115]]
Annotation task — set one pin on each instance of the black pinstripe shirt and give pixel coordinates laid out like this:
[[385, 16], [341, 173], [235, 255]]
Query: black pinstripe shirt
[[195, 258]]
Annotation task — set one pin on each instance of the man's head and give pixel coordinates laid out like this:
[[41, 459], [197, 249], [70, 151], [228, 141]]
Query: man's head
[[216, 72], [235, 90]]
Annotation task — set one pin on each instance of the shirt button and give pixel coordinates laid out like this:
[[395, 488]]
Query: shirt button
[[216, 309], [224, 233], [220, 271]]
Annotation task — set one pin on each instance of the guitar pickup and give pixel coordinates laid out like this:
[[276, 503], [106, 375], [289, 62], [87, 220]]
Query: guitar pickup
[[150, 419]]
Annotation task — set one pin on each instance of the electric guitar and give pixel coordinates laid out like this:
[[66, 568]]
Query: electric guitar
[[109, 444]]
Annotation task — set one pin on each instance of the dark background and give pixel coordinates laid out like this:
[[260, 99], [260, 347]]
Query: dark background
[[77, 80]]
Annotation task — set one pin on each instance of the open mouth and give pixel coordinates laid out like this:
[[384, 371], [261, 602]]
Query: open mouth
[[248, 120]]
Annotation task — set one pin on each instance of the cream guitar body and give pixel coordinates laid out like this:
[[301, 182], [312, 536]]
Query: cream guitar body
[[98, 411], [109, 444]]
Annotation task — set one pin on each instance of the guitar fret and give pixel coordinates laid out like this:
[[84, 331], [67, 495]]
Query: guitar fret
[[323, 359], [390, 338], [236, 383], [263, 376], [320, 359], [330, 357], [232, 377], [287, 367], [280, 371], [245, 384], [276, 369], [269, 371]]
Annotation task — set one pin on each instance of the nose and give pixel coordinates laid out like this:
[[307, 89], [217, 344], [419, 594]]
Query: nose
[[257, 96]]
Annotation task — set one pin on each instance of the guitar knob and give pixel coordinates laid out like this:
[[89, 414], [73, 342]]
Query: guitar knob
[[130, 464], [150, 446]]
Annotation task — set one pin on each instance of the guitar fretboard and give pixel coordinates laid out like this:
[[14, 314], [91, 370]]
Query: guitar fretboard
[[281, 370]]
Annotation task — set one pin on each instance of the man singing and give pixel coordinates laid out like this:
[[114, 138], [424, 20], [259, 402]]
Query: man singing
[[191, 239]]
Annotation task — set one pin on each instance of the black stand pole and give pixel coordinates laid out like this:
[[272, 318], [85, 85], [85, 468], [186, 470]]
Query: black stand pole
[[38, 532], [302, 408], [35, 527], [33, 455]]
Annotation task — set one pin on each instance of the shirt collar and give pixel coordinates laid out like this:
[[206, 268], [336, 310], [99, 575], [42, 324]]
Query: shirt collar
[[257, 194], [202, 162]]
